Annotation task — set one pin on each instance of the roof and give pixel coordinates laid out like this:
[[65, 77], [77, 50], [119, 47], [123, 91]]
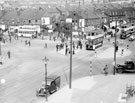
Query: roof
[[77, 16], [29, 14], [10, 15]]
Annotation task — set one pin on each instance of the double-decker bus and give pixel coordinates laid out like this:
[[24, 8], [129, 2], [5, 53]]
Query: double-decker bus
[[27, 31], [94, 40], [127, 32]]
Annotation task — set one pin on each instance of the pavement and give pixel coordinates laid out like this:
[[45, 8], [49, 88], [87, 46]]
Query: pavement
[[97, 88], [94, 89]]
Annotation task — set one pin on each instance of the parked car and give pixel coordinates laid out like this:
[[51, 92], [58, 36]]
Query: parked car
[[128, 66], [53, 84]]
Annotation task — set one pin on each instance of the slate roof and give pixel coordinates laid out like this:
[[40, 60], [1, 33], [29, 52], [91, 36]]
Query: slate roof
[[31, 14], [12, 14], [71, 15]]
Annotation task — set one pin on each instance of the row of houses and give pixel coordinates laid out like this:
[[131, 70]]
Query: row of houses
[[93, 15]]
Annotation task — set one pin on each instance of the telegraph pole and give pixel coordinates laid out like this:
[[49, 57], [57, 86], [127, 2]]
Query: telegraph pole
[[115, 44]]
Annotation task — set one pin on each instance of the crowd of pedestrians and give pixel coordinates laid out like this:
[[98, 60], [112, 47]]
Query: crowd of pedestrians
[[66, 47]]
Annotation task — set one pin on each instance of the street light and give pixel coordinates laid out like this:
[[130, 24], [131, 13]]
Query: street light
[[45, 60]]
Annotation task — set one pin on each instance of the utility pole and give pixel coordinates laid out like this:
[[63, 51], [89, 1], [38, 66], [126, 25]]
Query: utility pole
[[115, 44], [71, 51]]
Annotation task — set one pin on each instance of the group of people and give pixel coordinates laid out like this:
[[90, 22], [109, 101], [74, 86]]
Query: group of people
[[59, 47], [66, 47]]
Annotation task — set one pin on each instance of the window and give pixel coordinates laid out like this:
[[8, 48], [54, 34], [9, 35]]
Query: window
[[29, 21], [92, 33]]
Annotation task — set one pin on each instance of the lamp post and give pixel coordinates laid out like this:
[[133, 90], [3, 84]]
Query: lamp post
[[45, 60]]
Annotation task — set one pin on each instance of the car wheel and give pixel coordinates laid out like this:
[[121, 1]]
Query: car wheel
[[119, 70]]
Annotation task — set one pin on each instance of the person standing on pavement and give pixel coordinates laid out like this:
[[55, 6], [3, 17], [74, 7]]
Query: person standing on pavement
[[56, 47], [106, 70], [29, 43], [45, 45], [9, 54], [66, 51], [25, 42]]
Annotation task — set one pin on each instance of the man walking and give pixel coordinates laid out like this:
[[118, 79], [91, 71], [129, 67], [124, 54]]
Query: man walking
[[57, 47], [106, 70], [9, 54], [29, 43], [45, 45], [25, 42]]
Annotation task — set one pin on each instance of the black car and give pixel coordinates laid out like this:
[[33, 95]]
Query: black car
[[53, 84], [128, 66]]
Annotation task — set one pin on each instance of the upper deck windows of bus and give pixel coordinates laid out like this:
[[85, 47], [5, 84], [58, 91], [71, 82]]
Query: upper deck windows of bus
[[92, 34], [26, 32]]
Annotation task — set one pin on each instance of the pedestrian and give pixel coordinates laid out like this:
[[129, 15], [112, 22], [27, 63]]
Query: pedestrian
[[73, 51], [73, 45], [50, 38], [45, 45], [9, 54], [66, 50], [10, 39], [66, 45], [77, 46], [127, 46], [25, 42], [69, 51], [57, 47], [106, 70], [108, 39], [122, 51], [29, 43]]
